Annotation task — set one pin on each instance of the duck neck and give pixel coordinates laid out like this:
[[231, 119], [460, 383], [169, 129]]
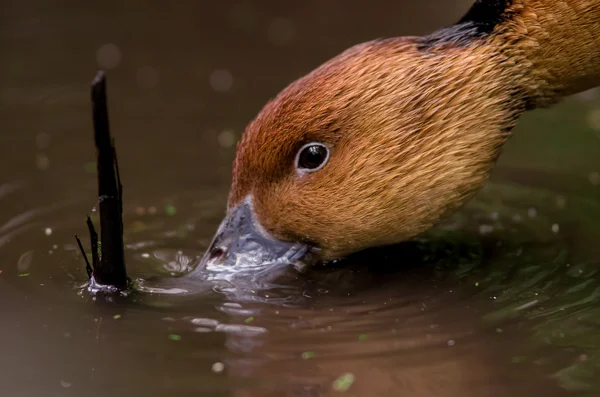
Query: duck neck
[[558, 41], [552, 47]]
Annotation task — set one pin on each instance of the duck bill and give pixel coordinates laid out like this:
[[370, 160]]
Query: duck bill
[[241, 242]]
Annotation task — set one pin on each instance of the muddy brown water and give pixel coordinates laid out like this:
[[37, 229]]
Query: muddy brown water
[[503, 299]]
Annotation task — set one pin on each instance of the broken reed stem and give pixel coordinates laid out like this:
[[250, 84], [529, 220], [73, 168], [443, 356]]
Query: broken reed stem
[[108, 262], [93, 244], [88, 267]]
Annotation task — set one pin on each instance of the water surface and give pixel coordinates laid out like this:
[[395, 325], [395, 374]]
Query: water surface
[[501, 299]]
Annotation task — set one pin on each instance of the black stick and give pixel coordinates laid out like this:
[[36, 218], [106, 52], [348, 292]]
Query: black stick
[[88, 268], [109, 269], [94, 244]]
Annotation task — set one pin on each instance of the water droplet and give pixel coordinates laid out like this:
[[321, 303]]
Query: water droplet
[[226, 138], [451, 342], [42, 161], [555, 228], [221, 80], [218, 367], [108, 56], [48, 231]]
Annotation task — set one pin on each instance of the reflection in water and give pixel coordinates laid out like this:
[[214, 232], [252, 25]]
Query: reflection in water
[[502, 299]]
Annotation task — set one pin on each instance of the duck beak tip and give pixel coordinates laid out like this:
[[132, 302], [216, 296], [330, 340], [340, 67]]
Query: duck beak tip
[[241, 242]]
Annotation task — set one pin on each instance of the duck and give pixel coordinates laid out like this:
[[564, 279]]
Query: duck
[[381, 142]]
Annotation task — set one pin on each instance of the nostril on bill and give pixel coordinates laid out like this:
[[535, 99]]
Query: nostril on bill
[[216, 254]]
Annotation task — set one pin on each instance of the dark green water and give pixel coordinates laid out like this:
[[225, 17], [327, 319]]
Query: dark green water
[[503, 299]]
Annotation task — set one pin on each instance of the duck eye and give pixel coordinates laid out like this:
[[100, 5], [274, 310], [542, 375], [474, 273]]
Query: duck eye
[[312, 157]]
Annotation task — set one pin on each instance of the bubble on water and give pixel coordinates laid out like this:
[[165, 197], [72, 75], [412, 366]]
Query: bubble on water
[[108, 56], [555, 228], [147, 77], [532, 212], [218, 367], [594, 178], [226, 138], [48, 231], [42, 140], [221, 80], [24, 262], [42, 161], [145, 255], [281, 31], [451, 342]]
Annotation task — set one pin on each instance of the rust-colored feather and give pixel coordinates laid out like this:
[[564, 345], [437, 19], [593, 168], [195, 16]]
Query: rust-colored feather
[[414, 123]]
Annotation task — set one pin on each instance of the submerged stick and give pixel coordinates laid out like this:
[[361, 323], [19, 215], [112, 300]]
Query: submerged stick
[[108, 262]]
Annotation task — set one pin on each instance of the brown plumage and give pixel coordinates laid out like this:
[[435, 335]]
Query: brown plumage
[[414, 124]]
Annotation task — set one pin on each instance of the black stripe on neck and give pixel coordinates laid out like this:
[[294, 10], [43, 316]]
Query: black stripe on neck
[[480, 21], [485, 15]]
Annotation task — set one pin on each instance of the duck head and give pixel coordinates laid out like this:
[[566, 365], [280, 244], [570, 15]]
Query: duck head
[[379, 143], [370, 149]]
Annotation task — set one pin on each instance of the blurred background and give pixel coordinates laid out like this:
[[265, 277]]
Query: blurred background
[[184, 78]]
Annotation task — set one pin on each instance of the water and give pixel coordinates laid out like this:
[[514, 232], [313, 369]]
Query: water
[[501, 299]]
